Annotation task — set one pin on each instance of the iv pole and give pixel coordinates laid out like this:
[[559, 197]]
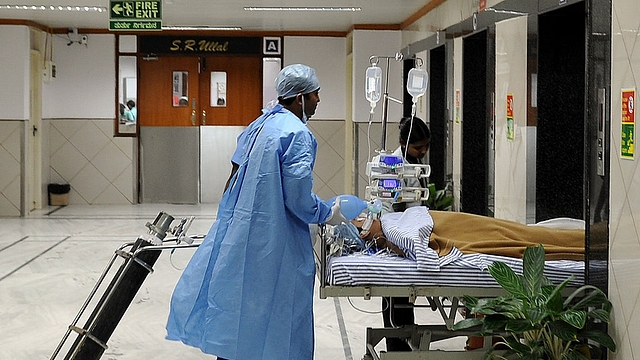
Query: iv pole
[[373, 60]]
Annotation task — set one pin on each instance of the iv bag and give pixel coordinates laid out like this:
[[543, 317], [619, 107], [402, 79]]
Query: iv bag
[[373, 84], [417, 83]]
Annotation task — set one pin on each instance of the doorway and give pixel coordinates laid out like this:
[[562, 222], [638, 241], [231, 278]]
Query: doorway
[[438, 120], [186, 105], [560, 144], [477, 125]]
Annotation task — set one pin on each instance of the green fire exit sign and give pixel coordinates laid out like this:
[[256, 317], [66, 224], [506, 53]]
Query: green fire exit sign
[[135, 15]]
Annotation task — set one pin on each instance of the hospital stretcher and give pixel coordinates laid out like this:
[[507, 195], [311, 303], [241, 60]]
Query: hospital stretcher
[[367, 276]]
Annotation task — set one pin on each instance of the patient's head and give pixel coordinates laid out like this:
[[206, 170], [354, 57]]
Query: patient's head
[[375, 233], [367, 234]]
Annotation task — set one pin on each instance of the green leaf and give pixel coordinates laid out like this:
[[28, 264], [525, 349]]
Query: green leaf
[[495, 323], [600, 314], [470, 301], [507, 305], [507, 278], [554, 302], [532, 269], [536, 315], [468, 323], [563, 330], [601, 338], [574, 318], [438, 199], [574, 355], [593, 297], [515, 344], [530, 357], [519, 326]]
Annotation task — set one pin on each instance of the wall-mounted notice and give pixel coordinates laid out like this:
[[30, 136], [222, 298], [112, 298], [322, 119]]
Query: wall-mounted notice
[[628, 124], [510, 117]]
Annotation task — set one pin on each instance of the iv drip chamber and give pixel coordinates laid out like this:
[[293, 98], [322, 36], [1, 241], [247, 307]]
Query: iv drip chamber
[[417, 83]]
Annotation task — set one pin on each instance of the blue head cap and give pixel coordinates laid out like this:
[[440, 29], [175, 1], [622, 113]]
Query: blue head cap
[[296, 79]]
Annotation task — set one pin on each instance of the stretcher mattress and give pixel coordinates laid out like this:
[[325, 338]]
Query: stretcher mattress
[[468, 270], [455, 250]]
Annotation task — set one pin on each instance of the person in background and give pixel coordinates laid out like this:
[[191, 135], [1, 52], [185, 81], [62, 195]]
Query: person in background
[[414, 139], [247, 292], [132, 108], [125, 115]]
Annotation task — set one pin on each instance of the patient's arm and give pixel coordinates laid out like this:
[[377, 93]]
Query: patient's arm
[[383, 243]]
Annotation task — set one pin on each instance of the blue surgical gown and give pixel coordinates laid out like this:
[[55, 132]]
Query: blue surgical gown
[[247, 293]]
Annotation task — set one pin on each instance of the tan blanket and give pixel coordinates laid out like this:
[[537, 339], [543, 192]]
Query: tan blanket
[[480, 234]]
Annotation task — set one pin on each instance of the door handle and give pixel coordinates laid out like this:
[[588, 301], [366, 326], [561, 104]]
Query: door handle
[[193, 112], [601, 140], [204, 117]]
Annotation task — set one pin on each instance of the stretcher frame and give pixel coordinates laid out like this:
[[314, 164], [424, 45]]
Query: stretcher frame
[[419, 337]]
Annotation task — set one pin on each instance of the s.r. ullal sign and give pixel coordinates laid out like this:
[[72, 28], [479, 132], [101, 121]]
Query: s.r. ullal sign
[[135, 15], [192, 45]]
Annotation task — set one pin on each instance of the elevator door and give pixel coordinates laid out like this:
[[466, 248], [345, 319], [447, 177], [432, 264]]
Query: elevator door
[[440, 175], [560, 144], [477, 124]]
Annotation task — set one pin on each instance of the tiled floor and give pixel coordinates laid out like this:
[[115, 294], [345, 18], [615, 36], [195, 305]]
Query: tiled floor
[[50, 261]]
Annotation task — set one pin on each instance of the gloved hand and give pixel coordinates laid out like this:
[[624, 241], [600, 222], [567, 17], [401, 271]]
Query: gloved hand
[[336, 217]]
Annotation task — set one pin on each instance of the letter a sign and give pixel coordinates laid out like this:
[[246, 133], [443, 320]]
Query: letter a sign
[[271, 46]]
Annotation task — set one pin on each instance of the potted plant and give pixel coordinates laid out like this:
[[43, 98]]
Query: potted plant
[[438, 199], [533, 321]]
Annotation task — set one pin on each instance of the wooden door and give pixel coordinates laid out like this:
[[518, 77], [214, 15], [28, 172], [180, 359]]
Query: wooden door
[[230, 90], [168, 92]]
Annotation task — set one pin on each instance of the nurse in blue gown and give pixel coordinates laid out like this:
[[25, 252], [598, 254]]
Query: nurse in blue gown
[[247, 293]]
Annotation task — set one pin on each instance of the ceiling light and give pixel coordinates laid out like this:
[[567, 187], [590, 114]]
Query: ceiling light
[[318, 8], [203, 28], [52, 8]]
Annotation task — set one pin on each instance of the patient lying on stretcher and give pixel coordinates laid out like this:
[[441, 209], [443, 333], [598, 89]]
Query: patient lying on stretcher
[[445, 230]]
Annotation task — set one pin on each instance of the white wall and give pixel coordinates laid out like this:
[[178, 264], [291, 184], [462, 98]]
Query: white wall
[[380, 43], [14, 114], [85, 84], [14, 72], [327, 56], [511, 154], [624, 220], [79, 108]]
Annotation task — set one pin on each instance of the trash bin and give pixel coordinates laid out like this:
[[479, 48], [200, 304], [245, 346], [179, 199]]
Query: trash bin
[[59, 194]]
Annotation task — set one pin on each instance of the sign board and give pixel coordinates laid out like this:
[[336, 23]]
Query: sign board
[[271, 46], [510, 129], [627, 140], [187, 44], [135, 15]]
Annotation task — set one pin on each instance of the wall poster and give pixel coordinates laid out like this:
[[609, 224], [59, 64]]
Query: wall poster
[[628, 124]]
